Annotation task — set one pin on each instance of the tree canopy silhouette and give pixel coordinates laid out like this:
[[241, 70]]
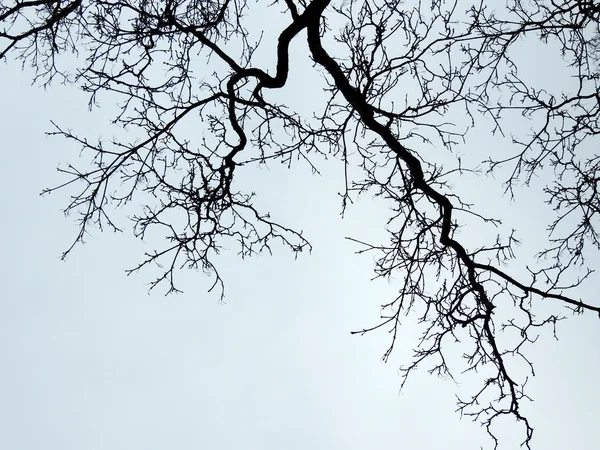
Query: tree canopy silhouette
[[400, 77]]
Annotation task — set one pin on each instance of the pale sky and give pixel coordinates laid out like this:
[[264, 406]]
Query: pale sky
[[91, 361]]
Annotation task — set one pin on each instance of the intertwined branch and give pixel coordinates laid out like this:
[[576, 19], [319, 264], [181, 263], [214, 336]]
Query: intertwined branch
[[400, 79]]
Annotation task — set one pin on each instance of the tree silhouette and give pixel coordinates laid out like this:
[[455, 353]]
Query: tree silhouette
[[400, 77]]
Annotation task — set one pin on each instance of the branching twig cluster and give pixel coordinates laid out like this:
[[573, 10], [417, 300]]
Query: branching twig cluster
[[400, 79]]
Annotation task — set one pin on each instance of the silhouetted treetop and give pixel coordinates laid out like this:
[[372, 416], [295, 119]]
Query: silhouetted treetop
[[400, 78]]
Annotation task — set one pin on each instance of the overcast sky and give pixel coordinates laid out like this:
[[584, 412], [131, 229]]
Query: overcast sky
[[90, 361]]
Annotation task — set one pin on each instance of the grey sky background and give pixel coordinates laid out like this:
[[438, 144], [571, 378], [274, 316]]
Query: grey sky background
[[91, 361]]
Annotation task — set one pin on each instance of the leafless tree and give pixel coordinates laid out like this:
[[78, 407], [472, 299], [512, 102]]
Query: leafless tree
[[398, 74]]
